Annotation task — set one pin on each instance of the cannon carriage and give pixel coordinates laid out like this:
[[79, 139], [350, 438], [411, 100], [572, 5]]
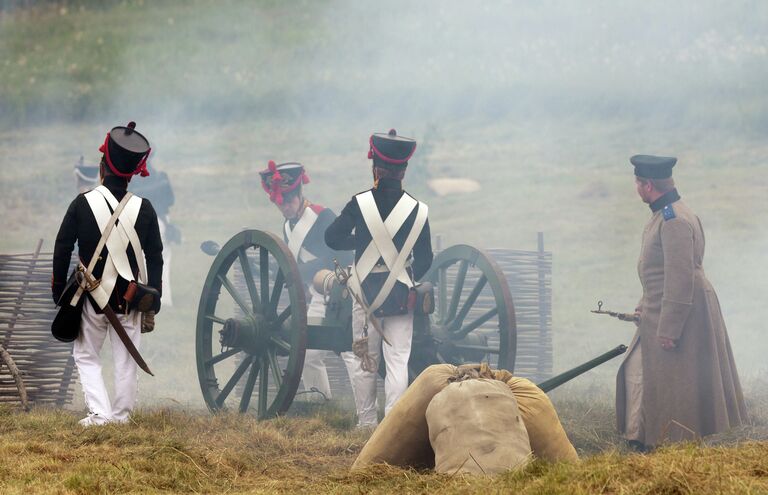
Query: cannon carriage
[[253, 329]]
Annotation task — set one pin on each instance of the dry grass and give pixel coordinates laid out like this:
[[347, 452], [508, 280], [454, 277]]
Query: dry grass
[[168, 450]]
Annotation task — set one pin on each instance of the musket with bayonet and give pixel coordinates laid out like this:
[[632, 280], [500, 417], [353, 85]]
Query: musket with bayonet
[[569, 375], [633, 317]]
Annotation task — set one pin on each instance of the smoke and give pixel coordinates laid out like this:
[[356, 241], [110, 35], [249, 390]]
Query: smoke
[[540, 103]]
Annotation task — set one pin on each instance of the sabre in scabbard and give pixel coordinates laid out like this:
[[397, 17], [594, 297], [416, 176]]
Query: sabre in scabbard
[[91, 284], [633, 317]]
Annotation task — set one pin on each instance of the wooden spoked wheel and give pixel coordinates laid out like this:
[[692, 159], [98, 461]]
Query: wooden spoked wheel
[[474, 318], [251, 327]]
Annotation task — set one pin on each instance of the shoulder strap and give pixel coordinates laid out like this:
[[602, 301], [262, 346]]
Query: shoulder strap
[[125, 226], [105, 234], [298, 234], [392, 224], [382, 244], [399, 264]]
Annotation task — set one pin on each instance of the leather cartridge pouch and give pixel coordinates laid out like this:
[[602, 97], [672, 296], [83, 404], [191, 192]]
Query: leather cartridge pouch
[[66, 325], [142, 297], [421, 299]]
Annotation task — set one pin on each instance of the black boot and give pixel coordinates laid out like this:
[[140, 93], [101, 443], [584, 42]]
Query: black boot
[[638, 446]]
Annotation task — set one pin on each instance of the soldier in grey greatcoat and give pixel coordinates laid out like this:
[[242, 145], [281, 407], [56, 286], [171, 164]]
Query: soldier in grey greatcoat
[[679, 380]]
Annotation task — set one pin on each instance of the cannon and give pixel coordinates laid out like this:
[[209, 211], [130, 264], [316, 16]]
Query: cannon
[[252, 326]]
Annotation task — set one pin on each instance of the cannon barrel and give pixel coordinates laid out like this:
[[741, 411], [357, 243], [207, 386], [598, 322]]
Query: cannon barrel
[[569, 375]]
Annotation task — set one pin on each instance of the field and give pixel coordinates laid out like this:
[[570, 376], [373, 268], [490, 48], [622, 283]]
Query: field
[[540, 119], [543, 164], [170, 450], [590, 218]]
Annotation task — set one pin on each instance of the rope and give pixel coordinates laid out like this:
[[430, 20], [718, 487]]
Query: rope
[[314, 390], [473, 372], [360, 348]]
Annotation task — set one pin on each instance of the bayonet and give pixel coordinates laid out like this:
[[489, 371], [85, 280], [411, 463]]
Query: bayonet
[[621, 316]]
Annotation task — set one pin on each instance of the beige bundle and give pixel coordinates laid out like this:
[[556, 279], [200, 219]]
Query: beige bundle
[[475, 427], [403, 437]]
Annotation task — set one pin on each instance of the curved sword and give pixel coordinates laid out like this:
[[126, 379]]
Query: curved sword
[[90, 284]]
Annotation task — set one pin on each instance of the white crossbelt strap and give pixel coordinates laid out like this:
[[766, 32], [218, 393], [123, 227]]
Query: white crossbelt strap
[[117, 241], [396, 218], [382, 244], [100, 246], [299, 233], [127, 229]]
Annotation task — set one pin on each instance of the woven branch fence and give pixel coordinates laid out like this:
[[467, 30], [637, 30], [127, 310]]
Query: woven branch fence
[[26, 313]]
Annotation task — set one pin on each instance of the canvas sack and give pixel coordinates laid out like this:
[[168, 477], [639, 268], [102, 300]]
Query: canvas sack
[[402, 438], [475, 427], [547, 436]]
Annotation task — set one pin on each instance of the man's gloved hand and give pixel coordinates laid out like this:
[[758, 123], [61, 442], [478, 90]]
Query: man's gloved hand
[[147, 321]]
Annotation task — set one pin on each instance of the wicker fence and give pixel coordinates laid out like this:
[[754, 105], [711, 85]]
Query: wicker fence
[[26, 313]]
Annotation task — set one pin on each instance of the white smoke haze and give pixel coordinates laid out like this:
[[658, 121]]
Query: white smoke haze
[[540, 103]]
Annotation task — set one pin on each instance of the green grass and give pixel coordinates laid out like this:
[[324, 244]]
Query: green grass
[[168, 450], [74, 62], [298, 61]]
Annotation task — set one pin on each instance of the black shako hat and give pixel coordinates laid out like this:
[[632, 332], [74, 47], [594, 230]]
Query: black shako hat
[[126, 151], [283, 181], [391, 149], [653, 167]]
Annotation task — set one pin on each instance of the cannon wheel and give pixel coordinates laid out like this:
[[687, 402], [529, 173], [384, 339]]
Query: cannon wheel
[[261, 327], [474, 318]]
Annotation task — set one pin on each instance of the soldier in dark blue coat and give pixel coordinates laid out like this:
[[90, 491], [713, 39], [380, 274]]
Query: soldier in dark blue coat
[[303, 231], [115, 265], [389, 232]]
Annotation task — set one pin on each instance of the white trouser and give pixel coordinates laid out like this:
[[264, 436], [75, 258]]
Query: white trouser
[[399, 332], [314, 375], [93, 331], [166, 298], [633, 380]]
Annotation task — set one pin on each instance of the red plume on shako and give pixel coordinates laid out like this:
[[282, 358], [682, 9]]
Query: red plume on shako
[[283, 180]]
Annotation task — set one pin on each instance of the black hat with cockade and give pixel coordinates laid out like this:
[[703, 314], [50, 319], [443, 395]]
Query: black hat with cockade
[[653, 167], [390, 149], [126, 151], [283, 181]]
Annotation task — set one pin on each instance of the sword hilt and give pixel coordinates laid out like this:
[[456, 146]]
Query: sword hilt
[[341, 274], [85, 279]]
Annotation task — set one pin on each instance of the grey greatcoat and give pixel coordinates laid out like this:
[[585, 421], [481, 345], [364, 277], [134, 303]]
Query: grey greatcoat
[[692, 390]]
